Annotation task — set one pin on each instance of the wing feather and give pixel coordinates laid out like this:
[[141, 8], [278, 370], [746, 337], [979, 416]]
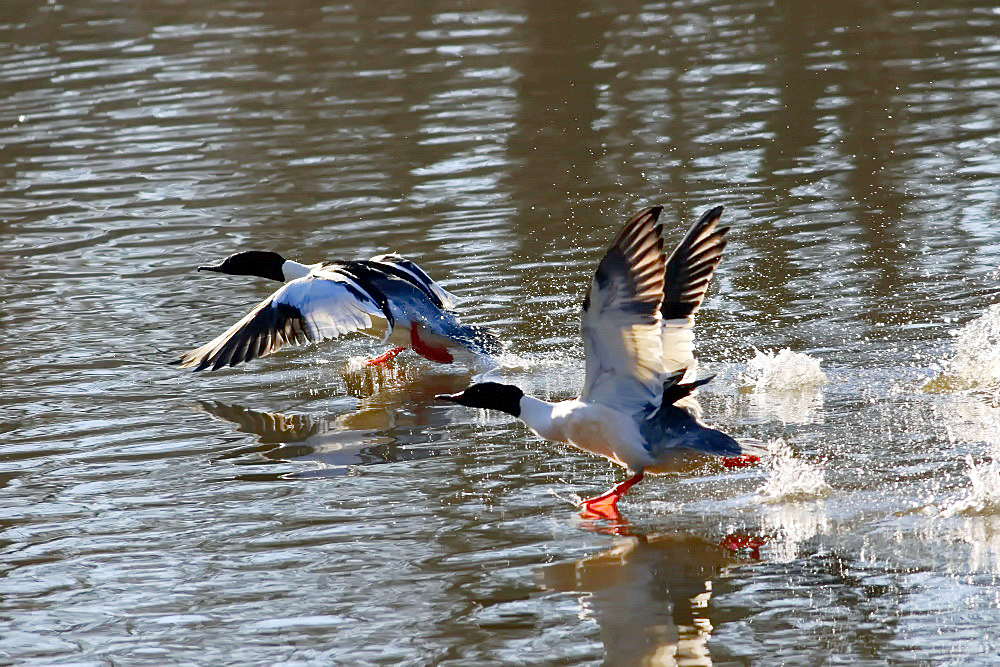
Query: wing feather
[[687, 275], [307, 310], [409, 270], [639, 311], [621, 318]]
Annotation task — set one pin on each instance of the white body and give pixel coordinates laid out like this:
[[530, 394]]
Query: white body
[[590, 426]]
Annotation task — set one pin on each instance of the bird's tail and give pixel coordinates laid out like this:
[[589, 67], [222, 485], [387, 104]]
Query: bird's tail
[[711, 441], [478, 339], [674, 390]]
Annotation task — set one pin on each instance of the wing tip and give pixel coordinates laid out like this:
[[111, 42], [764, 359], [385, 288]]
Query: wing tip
[[713, 213]]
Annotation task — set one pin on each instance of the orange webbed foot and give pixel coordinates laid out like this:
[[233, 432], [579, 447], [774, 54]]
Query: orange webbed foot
[[385, 357]]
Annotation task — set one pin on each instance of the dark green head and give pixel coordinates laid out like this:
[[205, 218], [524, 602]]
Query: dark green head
[[489, 395], [262, 263]]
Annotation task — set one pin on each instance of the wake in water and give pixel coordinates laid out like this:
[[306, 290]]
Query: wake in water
[[975, 363], [785, 385]]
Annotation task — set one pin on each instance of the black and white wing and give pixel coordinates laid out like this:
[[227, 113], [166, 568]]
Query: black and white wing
[[317, 307], [621, 318], [409, 271], [687, 275]]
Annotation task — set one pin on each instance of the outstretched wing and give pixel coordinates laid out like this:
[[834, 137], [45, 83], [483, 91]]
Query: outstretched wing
[[621, 318], [307, 310], [410, 272], [686, 279]]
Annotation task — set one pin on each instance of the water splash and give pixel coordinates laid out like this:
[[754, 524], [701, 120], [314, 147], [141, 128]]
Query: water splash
[[785, 386], [784, 371], [789, 477], [984, 496], [975, 363]]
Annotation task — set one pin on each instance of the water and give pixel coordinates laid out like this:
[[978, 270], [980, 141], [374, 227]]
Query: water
[[296, 512]]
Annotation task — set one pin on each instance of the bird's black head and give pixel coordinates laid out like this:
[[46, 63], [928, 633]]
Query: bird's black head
[[251, 263], [490, 395]]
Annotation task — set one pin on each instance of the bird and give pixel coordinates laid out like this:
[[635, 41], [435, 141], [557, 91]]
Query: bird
[[637, 407], [387, 297]]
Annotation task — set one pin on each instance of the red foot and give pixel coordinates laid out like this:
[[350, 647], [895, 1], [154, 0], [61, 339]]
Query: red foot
[[746, 543], [438, 354], [385, 357], [741, 461], [605, 506]]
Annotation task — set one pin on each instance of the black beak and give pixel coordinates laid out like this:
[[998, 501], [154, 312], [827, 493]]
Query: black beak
[[215, 269], [449, 397]]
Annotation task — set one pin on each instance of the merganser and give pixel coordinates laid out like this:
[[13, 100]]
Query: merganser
[[637, 406], [387, 297]]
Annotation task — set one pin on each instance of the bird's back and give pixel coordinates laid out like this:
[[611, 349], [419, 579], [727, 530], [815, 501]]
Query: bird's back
[[673, 432]]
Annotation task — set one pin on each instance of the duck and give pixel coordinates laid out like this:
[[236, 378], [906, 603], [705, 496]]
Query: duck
[[637, 407], [387, 297]]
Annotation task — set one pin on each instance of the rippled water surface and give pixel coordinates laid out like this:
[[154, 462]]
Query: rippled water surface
[[295, 511]]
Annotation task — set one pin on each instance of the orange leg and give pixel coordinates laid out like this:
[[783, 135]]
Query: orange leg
[[741, 461], [385, 357], [605, 506]]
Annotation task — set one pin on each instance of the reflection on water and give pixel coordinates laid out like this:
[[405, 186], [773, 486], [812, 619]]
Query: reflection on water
[[855, 147], [786, 386], [650, 595], [982, 533], [789, 525], [331, 444]]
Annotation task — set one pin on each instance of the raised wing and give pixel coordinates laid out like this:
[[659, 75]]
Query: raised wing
[[686, 278], [409, 271], [621, 318], [307, 310]]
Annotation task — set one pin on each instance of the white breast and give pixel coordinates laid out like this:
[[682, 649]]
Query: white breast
[[590, 426]]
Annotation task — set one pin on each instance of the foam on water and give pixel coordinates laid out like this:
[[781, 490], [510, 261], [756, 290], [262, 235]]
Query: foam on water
[[789, 477], [975, 363]]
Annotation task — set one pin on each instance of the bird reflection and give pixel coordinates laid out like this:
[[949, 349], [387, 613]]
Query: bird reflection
[[332, 444], [649, 594], [378, 432]]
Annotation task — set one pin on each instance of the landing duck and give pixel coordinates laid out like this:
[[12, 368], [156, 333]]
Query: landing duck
[[387, 297], [637, 407]]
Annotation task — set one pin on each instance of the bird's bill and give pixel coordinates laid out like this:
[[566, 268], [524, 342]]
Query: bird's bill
[[215, 269], [454, 398]]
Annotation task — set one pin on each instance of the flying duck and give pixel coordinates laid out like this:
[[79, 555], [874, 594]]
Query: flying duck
[[637, 406], [387, 297]]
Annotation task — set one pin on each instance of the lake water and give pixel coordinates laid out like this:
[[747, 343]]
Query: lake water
[[295, 512]]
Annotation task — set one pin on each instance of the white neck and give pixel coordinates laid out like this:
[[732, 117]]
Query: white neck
[[537, 414], [293, 270]]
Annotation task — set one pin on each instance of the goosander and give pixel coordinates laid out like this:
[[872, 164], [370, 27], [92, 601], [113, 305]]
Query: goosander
[[387, 297], [637, 406]]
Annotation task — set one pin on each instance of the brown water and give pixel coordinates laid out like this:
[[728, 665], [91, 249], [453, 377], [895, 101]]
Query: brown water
[[289, 513]]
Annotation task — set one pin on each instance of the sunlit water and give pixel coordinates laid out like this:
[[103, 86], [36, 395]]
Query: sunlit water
[[302, 511]]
